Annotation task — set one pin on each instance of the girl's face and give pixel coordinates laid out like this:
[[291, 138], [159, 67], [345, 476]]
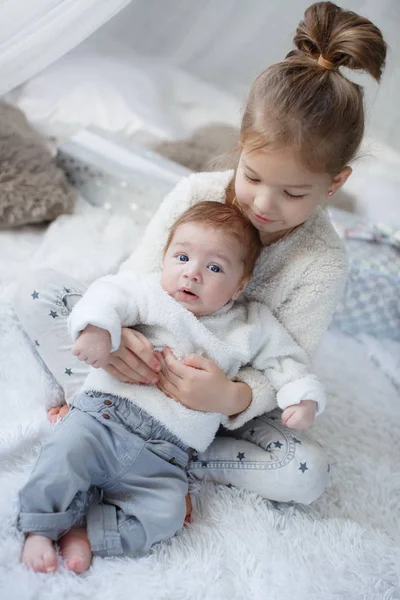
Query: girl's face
[[277, 193]]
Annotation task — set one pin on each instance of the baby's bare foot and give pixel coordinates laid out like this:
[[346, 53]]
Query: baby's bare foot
[[57, 412], [39, 554], [75, 550]]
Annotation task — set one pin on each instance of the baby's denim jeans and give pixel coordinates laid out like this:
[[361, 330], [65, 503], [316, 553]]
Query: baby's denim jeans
[[112, 465]]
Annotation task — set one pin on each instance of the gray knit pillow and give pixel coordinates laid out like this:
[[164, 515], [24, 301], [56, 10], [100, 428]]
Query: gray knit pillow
[[32, 188]]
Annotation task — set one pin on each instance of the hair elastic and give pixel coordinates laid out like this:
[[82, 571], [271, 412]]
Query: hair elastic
[[326, 64]]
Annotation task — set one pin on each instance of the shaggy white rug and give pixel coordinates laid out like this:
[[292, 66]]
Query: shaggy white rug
[[239, 546]]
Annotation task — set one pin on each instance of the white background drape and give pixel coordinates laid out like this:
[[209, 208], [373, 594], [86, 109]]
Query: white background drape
[[223, 42], [228, 42], [34, 33]]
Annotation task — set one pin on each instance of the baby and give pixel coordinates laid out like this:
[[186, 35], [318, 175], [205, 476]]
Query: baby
[[116, 463]]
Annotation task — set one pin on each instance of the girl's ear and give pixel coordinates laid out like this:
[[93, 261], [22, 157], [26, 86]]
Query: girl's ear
[[339, 180], [241, 287]]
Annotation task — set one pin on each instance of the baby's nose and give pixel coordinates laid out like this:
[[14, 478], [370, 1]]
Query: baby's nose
[[193, 273]]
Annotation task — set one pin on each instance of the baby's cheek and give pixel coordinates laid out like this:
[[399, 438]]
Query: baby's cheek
[[166, 281]]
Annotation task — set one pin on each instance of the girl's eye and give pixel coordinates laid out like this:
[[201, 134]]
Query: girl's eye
[[215, 268], [292, 195], [251, 179], [182, 258]]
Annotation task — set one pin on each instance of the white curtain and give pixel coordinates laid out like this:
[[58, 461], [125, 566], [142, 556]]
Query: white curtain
[[227, 42], [35, 33]]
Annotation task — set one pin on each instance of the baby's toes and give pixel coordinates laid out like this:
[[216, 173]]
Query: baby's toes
[[39, 554], [52, 414], [64, 410], [49, 561]]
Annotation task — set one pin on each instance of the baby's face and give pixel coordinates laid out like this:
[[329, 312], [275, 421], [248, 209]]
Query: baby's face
[[203, 269]]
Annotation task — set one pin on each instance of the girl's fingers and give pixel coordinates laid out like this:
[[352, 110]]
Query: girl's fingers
[[196, 361], [170, 377], [294, 421], [111, 370], [123, 368], [174, 365], [167, 386], [131, 366], [126, 373], [287, 415], [139, 346]]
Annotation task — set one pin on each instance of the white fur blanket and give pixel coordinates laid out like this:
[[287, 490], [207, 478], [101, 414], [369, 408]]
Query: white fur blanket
[[346, 546]]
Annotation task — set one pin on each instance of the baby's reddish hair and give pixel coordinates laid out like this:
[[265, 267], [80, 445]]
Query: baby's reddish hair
[[229, 219]]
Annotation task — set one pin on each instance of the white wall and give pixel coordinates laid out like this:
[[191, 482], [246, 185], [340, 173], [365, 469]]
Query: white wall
[[227, 42]]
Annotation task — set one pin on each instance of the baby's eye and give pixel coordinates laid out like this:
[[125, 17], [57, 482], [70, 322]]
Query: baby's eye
[[215, 268], [182, 258]]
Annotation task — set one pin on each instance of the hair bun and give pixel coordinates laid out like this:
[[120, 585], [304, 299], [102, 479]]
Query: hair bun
[[342, 37]]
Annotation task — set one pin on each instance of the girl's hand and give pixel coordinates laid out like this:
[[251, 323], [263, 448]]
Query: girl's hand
[[93, 346], [135, 360], [197, 383], [300, 416]]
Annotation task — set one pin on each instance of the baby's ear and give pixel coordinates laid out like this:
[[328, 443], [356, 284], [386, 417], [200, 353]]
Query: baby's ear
[[241, 287]]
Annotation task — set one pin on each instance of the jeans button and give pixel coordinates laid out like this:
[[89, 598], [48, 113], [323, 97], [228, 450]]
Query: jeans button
[[106, 416], [107, 402]]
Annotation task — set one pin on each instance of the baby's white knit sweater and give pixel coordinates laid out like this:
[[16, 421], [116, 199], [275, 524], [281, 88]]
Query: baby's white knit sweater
[[239, 334], [300, 278]]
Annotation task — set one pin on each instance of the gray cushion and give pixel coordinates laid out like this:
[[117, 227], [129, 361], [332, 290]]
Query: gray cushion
[[32, 188]]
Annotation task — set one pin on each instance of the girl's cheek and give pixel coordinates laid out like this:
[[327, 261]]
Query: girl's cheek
[[244, 195]]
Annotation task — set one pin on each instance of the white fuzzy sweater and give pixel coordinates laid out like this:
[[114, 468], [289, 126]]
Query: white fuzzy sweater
[[300, 278], [239, 334]]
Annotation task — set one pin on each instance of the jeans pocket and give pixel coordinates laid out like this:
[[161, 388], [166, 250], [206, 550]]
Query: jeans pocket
[[169, 452]]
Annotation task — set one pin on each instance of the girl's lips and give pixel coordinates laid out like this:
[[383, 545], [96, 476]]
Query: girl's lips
[[262, 219]]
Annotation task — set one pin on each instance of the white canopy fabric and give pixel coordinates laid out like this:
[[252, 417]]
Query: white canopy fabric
[[35, 33], [224, 43]]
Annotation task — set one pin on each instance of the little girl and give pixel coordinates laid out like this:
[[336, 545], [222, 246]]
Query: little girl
[[302, 125]]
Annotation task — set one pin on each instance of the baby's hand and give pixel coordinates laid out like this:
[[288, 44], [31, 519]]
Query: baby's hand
[[300, 416], [93, 347]]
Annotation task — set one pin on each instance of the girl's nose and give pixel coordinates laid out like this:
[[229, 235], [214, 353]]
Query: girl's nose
[[265, 204]]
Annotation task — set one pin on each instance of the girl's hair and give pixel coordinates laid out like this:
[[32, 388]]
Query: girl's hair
[[309, 105], [228, 219]]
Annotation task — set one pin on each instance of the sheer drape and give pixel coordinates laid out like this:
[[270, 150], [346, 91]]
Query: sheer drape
[[227, 42], [34, 33], [223, 42]]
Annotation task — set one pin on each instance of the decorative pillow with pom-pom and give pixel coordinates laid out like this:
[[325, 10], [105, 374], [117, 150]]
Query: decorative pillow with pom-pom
[[370, 303]]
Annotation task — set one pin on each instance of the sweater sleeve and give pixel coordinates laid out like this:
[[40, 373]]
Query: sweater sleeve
[[283, 361], [109, 303], [305, 315]]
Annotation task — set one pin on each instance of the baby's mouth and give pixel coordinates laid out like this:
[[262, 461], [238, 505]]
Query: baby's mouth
[[188, 293]]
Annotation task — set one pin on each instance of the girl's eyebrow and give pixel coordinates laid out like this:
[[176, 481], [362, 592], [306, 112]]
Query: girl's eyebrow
[[289, 185], [250, 169], [296, 185]]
